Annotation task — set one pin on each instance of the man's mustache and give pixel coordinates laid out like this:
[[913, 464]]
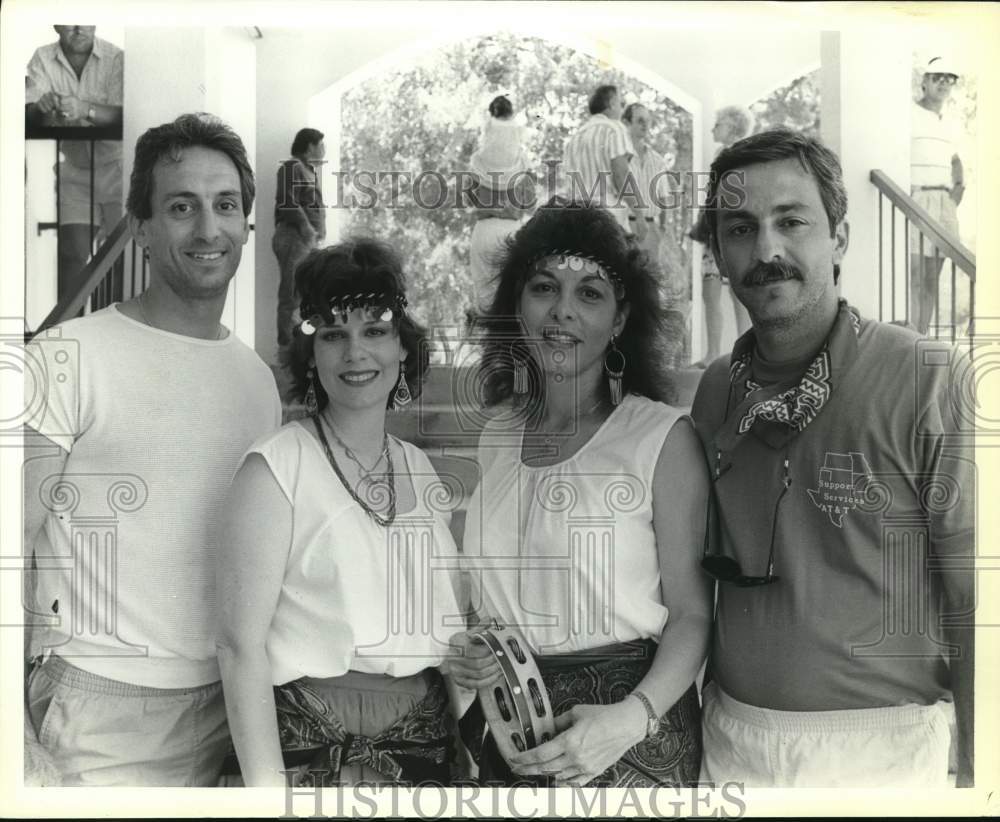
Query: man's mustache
[[773, 271]]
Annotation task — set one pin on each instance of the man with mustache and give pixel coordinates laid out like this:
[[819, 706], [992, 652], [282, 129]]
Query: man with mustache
[[843, 505]]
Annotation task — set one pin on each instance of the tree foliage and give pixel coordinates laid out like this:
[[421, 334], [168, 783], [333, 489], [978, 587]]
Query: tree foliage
[[795, 106], [427, 117]]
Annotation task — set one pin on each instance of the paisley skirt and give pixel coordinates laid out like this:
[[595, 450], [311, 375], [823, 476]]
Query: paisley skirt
[[604, 676]]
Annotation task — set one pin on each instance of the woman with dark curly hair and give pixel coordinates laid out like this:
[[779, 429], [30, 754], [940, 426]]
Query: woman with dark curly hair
[[315, 569], [595, 492]]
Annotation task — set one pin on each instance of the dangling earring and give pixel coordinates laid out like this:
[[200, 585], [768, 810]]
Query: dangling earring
[[520, 373], [614, 374], [401, 397], [312, 406]]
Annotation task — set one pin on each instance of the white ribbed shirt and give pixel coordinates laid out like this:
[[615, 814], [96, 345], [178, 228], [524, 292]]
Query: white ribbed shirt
[[154, 424]]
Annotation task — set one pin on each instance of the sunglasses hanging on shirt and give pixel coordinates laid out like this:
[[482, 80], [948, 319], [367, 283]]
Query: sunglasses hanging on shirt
[[727, 569]]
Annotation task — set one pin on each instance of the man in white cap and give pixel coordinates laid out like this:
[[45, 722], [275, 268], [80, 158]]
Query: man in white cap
[[936, 180]]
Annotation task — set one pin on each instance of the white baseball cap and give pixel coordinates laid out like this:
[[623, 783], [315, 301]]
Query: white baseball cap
[[941, 65]]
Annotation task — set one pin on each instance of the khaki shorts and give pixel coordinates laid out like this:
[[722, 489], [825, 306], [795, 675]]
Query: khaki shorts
[[900, 746], [74, 195], [102, 732], [937, 203]]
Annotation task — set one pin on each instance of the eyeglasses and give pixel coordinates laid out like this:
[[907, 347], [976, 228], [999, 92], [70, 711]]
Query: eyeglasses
[[947, 79], [727, 569]]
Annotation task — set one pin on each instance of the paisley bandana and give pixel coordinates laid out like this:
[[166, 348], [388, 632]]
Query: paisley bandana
[[778, 412]]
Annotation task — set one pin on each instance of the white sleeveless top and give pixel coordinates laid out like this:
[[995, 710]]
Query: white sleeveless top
[[568, 552], [357, 596]]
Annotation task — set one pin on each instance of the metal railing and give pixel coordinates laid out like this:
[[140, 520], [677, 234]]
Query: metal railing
[[904, 268], [103, 279], [98, 277]]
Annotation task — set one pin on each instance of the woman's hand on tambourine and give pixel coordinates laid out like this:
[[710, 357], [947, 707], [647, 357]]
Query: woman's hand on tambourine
[[471, 665], [590, 739]]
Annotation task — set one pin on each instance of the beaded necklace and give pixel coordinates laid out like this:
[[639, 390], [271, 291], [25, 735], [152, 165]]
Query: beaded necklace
[[378, 518]]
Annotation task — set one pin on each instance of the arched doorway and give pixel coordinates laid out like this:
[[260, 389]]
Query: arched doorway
[[415, 115]]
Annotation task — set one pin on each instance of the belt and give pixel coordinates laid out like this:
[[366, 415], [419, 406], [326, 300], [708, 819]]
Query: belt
[[931, 188], [647, 219]]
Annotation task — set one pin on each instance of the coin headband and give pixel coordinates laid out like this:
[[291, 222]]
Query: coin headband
[[377, 303], [578, 261]]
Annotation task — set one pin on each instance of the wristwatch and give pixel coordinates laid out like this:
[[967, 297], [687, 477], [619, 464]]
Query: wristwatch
[[652, 720], [91, 113]]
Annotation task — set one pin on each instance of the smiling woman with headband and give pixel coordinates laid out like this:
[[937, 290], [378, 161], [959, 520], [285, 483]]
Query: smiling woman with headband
[[314, 572], [593, 493]]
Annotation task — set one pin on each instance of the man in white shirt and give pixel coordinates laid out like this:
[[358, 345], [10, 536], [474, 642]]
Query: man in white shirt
[[650, 172], [148, 407], [936, 182], [596, 161], [78, 82]]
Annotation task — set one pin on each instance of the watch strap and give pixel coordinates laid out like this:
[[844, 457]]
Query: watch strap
[[652, 720]]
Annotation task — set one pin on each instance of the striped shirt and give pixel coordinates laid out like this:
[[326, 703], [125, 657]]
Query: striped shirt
[[101, 82], [587, 162], [933, 142], [649, 170]]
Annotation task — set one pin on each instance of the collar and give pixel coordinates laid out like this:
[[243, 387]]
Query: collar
[[99, 51], [777, 413]]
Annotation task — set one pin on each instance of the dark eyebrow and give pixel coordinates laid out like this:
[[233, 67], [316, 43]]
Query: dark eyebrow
[[794, 206], [192, 195], [588, 278], [592, 277], [741, 214], [735, 214]]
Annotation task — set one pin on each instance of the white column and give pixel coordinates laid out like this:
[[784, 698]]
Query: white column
[[865, 118], [173, 71]]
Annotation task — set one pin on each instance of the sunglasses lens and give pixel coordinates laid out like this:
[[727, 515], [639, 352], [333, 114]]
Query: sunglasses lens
[[720, 567]]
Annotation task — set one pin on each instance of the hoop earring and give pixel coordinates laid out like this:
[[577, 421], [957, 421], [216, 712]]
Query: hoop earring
[[312, 406], [614, 375], [401, 397], [520, 373]]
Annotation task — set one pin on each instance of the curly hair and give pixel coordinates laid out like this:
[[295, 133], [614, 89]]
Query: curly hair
[[591, 231], [357, 265], [168, 141]]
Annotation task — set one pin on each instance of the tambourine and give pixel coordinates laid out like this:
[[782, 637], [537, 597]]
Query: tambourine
[[516, 709]]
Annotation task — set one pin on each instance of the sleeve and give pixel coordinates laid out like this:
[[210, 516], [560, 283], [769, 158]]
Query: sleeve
[[52, 388], [620, 144], [116, 80], [431, 487], [707, 408], [949, 477], [283, 455], [283, 188], [38, 82]]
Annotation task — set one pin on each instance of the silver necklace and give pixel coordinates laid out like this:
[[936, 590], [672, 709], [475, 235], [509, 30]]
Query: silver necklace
[[365, 472], [142, 313], [390, 514]]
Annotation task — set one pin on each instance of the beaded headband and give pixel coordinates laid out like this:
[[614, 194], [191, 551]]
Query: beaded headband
[[378, 303], [580, 261]]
